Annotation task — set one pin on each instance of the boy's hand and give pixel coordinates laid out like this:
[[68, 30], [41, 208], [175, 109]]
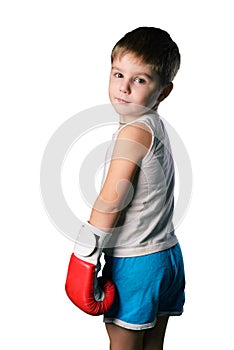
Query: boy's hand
[[91, 294]]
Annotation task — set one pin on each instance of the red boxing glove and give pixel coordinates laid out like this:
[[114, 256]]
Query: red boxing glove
[[91, 294]]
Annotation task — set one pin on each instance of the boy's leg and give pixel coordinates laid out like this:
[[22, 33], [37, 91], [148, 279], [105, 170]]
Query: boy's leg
[[124, 339], [154, 337]]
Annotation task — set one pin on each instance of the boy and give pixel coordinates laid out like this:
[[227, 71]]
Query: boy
[[145, 262], [143, 256]]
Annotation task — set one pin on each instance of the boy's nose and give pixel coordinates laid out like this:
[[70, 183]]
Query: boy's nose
[[125, 87]]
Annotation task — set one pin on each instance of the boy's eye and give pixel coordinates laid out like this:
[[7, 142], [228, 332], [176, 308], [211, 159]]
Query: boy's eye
[[118, 75], [139, 80]]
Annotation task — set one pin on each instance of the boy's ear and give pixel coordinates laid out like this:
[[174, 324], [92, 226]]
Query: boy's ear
[[165, 92]]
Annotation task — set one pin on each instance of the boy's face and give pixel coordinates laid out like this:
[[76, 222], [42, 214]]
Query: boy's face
[[133, 84]]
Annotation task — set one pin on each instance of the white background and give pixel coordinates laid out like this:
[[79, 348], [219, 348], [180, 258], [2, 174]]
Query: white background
[[55, 63]]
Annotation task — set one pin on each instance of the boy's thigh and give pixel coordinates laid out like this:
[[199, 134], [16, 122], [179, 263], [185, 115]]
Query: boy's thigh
[[124, 339], [154, 337]]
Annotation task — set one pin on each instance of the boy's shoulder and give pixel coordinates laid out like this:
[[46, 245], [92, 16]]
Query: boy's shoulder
[[136, 131]]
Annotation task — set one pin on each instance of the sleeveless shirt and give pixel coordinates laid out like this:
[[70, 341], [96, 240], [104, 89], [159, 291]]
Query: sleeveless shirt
[[145, 226]]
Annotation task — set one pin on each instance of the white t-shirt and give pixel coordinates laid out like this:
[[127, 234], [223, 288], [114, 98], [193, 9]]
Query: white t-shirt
[[145, 226]]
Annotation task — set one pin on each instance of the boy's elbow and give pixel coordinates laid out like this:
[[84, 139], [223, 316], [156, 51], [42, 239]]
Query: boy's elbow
[[108, 207]]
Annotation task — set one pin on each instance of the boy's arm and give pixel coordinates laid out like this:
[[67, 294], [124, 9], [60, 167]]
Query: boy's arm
[[131, 146], [91, 294]]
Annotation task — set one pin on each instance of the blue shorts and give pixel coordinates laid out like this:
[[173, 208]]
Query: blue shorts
[[147, 286]]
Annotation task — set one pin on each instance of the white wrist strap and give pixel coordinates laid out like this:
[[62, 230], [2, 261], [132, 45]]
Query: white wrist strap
[[90, 242]]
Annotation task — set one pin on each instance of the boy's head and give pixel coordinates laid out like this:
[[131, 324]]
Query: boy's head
[[153, 46], [144, 63]]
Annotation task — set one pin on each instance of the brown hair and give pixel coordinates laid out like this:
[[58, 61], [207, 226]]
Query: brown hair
[[153, 46]]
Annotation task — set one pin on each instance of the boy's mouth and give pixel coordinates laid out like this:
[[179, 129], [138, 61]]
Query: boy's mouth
[[121, 100]]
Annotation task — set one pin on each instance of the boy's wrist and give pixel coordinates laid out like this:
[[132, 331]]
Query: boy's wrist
[[90, 242]]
